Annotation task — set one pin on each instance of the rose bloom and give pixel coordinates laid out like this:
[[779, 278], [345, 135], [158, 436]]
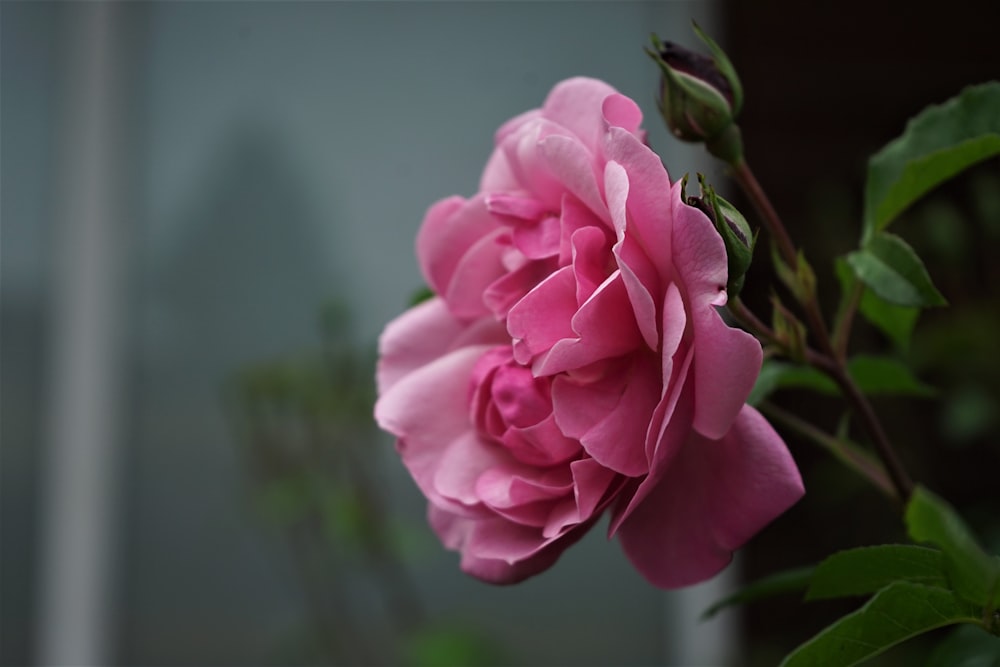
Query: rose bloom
[[573, 360]]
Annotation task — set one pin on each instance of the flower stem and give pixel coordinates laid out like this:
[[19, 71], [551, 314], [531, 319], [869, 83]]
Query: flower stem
[[844, 320], [829, 359], [845, 452]]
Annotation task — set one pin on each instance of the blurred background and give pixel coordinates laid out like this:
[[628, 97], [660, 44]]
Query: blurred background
[[208, 213]]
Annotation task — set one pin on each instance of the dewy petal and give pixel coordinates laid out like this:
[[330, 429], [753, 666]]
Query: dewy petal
[[715, 496], [727, 360]]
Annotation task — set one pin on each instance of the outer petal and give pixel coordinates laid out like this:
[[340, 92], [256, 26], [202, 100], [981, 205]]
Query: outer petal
[[460, 534], [424, 333], [638, 272], [414, 339], [727, 360], [570, 161], [427, 410], [576, 105], [478, 268], [649, 198], [714, 497], [450, 228]]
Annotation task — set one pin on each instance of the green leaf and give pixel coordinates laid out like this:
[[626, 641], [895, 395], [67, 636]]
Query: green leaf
[[896, 613], [973, 573], [966, 646], [451, 645], [420, 295], [865, 570], [874, 375], [789, 581], [894, 272], [896, 322], [937, 144], [884, 375], [776, 375]]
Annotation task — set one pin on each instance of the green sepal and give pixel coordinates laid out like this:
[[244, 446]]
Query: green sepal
[[725, 67]]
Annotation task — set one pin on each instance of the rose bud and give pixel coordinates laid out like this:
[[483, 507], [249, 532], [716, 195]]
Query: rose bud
[[700, 97], [734, 230]]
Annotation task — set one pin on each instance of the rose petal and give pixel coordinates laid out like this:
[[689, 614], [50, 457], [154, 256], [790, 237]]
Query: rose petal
[[639, 275], [510, 288], [419, 409], [576, 105], [414, 339], [621, 111], [543, 316], [603, 328], [479, 267], [714, 497], [727, 360], [542, 444], [450, 228], [574, 164], [610, 417]]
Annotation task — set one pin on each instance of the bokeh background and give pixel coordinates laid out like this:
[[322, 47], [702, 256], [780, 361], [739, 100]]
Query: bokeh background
[[207, 216]]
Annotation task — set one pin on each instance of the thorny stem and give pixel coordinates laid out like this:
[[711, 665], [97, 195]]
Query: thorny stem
[[827, 358]]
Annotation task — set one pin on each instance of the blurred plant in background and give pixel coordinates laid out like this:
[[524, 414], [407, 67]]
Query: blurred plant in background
[[310, 446]]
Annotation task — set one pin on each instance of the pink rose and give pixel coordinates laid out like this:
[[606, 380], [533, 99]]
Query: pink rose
[[573, 360]]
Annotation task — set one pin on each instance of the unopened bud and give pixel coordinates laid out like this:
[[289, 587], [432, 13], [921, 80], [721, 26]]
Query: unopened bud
[[700, 96], [732, 227]]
